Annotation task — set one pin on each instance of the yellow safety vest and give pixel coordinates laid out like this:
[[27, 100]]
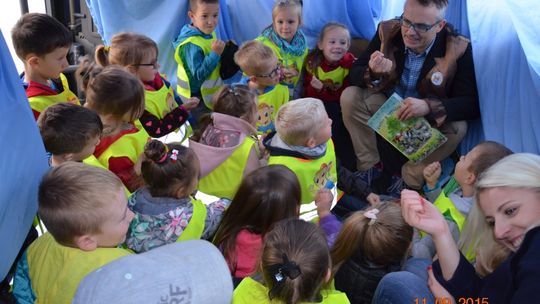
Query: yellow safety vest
[[93, 161], [41, 102], [211, 84], [195, 228], [313, 174], [129, 145], [287, 61], [250, 291], [225, 179], [56, 271], [336, 76], [268, 105]]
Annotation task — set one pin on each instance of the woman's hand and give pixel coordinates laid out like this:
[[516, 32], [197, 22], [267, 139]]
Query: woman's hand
[[421, 214], [438, 291]]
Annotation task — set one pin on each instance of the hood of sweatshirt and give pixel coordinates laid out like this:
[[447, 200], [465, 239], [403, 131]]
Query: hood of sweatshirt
[[187, 31]]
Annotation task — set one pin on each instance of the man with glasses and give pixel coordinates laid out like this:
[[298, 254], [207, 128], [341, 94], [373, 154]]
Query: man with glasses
[[422, 59]]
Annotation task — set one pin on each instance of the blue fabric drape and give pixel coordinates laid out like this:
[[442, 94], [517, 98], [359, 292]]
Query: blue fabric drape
[[507, 58], [22, 161]]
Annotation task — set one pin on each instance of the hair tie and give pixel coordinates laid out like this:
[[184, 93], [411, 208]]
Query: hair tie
[[164, 157], [232, 90], [371, 214], [106, 48], [174, 155], [280, 272]]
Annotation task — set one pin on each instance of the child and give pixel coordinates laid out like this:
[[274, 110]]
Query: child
[[85, 211], [456, 199], [42, 43], [371, 243], [266, 196], [303, 144], [226, 144], [295, 265], [69, 132], [260, 64], [326, 76], [197, 52], [118, 98], [165, 211], [164, 111], [287, 41]]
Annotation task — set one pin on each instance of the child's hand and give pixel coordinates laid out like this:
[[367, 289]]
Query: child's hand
[[373, 198], [316, 83], [191, 103], [218, 46], [432, 173], [379, 64], [323, 201], [289, 73]]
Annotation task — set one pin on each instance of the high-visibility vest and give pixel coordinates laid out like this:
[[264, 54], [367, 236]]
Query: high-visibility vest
[[56, 271], [287, 61], [250, 291], [41, 102], [93, 161], [211, 84], [268, 106], [195, 228], [129, 145], [225, 179], [336, 75]]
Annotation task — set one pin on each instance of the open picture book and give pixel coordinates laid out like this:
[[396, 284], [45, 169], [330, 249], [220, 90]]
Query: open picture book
[[415, 137]]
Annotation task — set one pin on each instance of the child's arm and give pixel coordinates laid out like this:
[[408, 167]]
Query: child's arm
[[351, 184], [199, 65], [22, 286], [327, 221], [156, 127], [214, 214]]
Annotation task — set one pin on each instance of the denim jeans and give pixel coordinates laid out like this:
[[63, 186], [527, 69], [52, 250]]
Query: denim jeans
[[406, 286]]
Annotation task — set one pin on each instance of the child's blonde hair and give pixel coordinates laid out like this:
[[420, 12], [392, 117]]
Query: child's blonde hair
[[294, 5], [166, 167], [126, 49], [253, 56], [299, 120], [72, 198], [111, 90], [383, 241], [296, 252]]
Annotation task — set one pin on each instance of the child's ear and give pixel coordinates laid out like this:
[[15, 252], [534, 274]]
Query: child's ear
[[328, 275], [86, 242], [311, 143], [190, 15], [32, 59], [319, 46], [132, 69], [253, 79], [470, 179]]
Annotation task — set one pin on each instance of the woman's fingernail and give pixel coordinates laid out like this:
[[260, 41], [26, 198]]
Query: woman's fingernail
[[429, 267]]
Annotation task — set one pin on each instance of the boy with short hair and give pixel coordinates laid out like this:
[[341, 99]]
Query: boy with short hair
[[197, 52], [260, 64], [85, 211], [303, 144], [42, 43], [69, 132]]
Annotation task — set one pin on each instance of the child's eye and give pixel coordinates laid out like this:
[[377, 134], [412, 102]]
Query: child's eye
[[510, 211]]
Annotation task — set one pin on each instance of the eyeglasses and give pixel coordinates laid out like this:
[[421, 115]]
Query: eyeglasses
[[152, 64], [417, 27], [272, 74]]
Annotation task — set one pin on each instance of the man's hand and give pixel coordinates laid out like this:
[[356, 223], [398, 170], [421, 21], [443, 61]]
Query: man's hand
[[378, 64], [412, 107], [218, 46], [432, 172]]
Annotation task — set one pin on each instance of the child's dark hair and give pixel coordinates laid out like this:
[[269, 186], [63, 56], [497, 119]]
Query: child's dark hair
[[194, 3], [126, 49], [316, 56], [39, 34], [265, 196], [383, 241], [67, 128], [111, 90], [296, 250], [166, 167], [490, 153], [235, 100]]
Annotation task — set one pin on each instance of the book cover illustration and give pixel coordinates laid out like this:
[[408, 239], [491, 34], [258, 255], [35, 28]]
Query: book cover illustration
[[415, 138]]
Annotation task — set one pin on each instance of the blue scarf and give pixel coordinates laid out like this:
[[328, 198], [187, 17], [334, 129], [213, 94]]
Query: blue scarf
[[297, 46]]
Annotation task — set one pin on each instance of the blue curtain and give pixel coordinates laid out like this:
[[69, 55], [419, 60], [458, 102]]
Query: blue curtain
[[22, 162], [507, 58]]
